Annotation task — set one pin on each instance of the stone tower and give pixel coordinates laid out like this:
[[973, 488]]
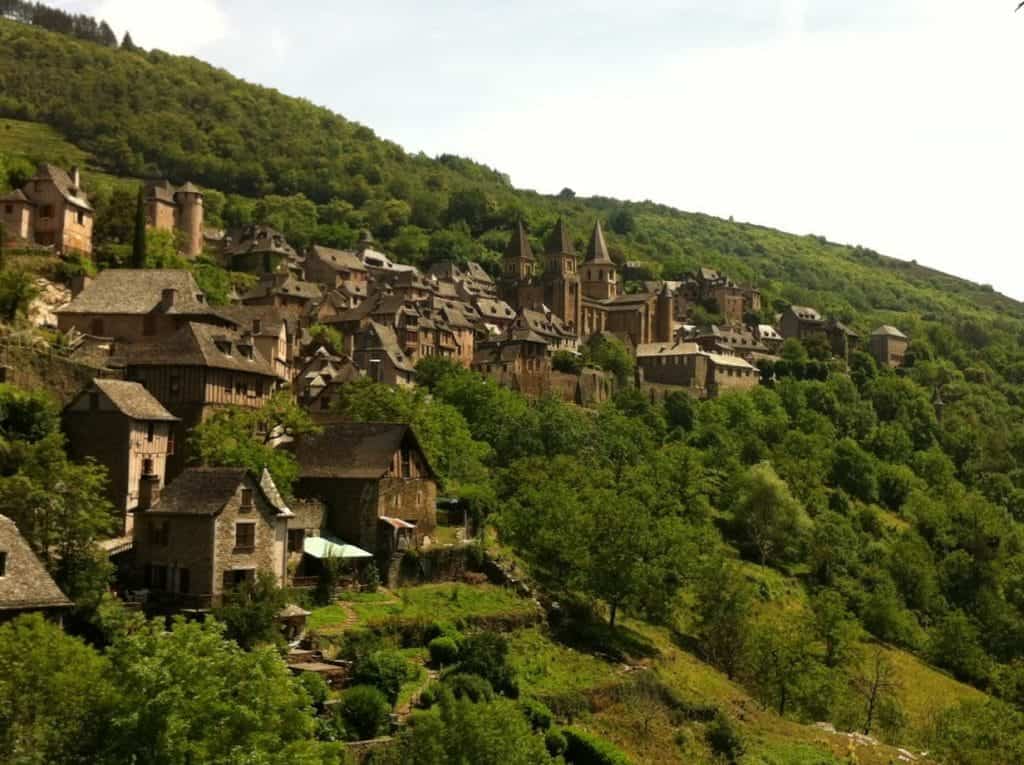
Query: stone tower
[[189, 200], [600, 276], [663, 323], [561, 280]]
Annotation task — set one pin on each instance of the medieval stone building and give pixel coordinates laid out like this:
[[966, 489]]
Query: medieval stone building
[[889, 346], [376, 483], [209, 531], [51, 210], [124, 428], [25, 585], [177, 209]]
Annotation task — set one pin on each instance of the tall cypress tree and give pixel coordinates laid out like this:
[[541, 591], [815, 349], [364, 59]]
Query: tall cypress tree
[[127, 43], [139, 240]]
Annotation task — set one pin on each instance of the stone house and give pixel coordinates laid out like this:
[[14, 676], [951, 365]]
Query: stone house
[[338, 269], [377, 352], [685, 365], [177, 209], [889, 346], [290, 296], [51, 210], [25, 584], [730, 340], [124, 428], [518, 360], [259, 249], [377, 486], [801, 321], [197, 371], [138, 305], [209, 531], [274, 335]]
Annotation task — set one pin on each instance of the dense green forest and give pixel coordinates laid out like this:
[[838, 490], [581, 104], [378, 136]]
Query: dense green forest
[[785, 536]]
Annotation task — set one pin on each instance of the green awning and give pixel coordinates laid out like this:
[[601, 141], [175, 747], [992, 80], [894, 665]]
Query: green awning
[[324, 547]]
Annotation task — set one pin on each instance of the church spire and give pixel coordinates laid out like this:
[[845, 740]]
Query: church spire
[[597, 250], [519, 244], [558, 241]]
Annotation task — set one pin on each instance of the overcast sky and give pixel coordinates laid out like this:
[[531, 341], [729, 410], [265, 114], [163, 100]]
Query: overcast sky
[[896, 124]]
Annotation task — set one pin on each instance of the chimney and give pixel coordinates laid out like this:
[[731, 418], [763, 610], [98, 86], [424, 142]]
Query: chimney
[[149, 490], [167, 297], [75, 178], [79, 283]]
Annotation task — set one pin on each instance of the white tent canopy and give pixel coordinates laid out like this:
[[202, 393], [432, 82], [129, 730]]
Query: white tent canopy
[[325, 547]]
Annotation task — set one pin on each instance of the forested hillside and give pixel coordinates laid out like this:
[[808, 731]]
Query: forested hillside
[[813, 541]]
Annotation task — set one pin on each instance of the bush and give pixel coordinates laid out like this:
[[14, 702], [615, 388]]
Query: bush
[[538, 714], [444, 651], [365, 712], [430, 695], [384, 670], [472, 687], [584, 749], [315, 686], [724, 739], [486, 655], [555, 741]]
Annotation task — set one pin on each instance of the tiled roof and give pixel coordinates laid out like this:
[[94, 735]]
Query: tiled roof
[[887, 330], [139, 291], [201, 345], [15, 196], [340, 260], [26, 583], [64, 184], [206, 490], [597, 250], [519, 244], [289, 286], [361, 450], [558, 241], [133, 400]]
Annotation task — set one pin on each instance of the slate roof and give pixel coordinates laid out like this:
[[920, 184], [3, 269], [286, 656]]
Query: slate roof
[[597, 250], [206, 490], [269, 318], [887, 330], [558, 241], [492, 308], [339, 260], [259, 238], [645, 350], [162, 191], [197, 345], [519, 245], [133, 400], [387, 341], [288, 286], [15, 196], [64, 184], [805, 313], [26, 584], [356, 450], [139, 291]]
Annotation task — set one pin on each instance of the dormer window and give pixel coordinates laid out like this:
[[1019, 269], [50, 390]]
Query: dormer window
[[246, 503], [223, 346]]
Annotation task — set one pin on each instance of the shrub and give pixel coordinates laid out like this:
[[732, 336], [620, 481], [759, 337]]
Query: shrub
[[555, 741], [486, 654], [315, 686], [538, 714], [444, 651], [724, 739], [365, 712], [584, 749], [472, 687], [372, 578], [384, 670], [430, 695]]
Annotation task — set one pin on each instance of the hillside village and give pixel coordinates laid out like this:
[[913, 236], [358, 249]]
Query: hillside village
[[316, 450]]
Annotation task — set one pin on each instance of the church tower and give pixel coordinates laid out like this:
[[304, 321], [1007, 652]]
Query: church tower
[[518, 264], [600, 276], [561, 281], [663, 323]]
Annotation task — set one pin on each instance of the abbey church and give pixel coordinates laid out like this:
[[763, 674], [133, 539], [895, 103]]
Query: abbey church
[[586, 296]]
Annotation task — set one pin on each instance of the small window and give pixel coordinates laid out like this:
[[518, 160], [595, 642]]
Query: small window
[[147, 467], [3, 564], [245, 537], [158, 577], [170, 443], [160, 533], [150, 433], [8, 209], [235, 578], [247, 499], [296, 540], [406, 464], [46, 211], [240, 388], [80, 218]]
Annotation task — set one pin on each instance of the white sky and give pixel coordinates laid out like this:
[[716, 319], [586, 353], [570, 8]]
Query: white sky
[[896, 124]]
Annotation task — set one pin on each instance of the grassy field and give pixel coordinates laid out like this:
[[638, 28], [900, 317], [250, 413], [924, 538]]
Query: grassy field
[[448, 602], [37, 142]]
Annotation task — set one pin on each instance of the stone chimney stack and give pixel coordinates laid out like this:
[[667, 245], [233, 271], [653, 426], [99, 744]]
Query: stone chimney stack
[[149, 491], [75, 178], [167, 298]]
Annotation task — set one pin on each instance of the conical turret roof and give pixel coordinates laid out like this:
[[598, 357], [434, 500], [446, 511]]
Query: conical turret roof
[[558, 241], [519, 244], [597, 250]]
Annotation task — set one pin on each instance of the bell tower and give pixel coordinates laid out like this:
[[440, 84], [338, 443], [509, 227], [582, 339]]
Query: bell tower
[[600, 276]]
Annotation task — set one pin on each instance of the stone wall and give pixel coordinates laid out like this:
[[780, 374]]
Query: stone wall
[[270, 550], [41, 369]]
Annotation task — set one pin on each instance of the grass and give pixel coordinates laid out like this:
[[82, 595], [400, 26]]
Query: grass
[[327, 616], [546, 667], [443, 603], [39, 142]]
